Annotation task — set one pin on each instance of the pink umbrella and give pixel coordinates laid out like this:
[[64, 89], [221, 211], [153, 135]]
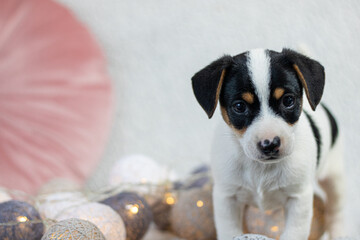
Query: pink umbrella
[[55, 95]]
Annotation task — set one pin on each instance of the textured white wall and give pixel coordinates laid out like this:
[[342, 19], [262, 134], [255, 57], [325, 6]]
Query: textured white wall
[[154, 47]]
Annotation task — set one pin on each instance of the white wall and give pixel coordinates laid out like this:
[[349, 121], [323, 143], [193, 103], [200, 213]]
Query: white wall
[[154, 47]]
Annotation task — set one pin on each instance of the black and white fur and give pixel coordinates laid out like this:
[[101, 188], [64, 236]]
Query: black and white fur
[[272, 148]]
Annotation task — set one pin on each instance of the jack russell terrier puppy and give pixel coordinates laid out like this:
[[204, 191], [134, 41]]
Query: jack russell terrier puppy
[[269, 152]]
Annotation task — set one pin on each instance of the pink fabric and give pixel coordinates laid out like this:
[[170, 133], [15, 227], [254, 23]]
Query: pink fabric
[[55, 96]]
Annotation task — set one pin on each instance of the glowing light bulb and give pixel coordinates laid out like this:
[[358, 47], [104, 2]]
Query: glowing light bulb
[[22, 219], [133, 208], [169, 199], [274, 229], [200, 203]]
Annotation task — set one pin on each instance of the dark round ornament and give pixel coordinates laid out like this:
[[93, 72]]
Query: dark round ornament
[[161, 205], [161, 214], [135, 212], [192, 216], [19, 214]]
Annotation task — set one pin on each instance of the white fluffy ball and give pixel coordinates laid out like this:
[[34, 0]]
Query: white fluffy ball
[[139, 169], [4, 197], [104, 217], [51, 205], [59, 185]]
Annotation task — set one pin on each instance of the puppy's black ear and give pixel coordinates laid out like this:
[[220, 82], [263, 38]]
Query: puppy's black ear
[[311, 74], [207, 83]]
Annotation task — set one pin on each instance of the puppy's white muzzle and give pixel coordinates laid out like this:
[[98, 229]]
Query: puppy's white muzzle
[[268, 139]]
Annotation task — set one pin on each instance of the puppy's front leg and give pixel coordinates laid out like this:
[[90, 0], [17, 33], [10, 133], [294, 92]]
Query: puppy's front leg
[[298, 213], [228, 213]]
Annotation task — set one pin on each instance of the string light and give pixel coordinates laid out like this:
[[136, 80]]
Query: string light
[[22, 219], [274, 229], [133, 208], [169, 199], [200, 203]]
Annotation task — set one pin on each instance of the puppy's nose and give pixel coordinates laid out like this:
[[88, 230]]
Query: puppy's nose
[[270, 148]]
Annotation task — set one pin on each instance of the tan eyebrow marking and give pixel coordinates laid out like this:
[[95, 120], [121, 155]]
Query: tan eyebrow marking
[[225, 115], [278, 93], [248, 97]]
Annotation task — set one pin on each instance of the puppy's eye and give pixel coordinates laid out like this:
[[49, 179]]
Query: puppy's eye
[[239, 107], [288, 101]]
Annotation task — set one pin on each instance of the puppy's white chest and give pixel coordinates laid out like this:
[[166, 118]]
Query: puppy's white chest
[[263, 200]]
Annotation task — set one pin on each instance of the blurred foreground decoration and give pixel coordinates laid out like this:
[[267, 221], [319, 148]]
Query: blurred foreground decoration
[[141, 171], [135, 212], [55, 95], [57, 185], [192, 216], [52, 204], [20, 214], [161, 210], [271, 223], [103, 216], [184, 208], [167, 196], [73, 229]]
